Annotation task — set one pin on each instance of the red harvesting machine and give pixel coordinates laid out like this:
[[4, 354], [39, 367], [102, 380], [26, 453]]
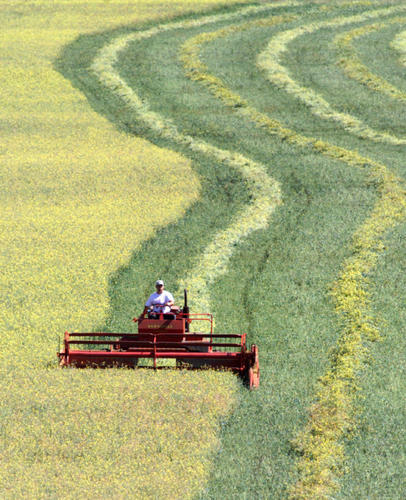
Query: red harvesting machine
[[165, 338]]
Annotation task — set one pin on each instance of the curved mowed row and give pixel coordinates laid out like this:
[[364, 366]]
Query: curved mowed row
[[257, 101]]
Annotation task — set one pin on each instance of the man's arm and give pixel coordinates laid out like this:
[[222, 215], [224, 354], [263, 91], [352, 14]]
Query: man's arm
[[169, 302], [148, 304]]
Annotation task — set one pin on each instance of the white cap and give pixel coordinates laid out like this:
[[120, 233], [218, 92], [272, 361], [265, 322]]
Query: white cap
[[159, 282]]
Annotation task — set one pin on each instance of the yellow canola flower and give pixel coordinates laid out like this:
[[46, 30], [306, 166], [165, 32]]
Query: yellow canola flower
[[399, 44], [269, 60], [78, 195], [110, 433], [332, 415], [353, 66]]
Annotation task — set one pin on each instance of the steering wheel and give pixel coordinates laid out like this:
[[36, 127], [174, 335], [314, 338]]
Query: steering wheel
[[161, 306]]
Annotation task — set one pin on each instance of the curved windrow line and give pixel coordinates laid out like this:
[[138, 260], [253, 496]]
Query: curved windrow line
[[399, 44], [265, 191], [332, 414], [270, 61], [354, 68]]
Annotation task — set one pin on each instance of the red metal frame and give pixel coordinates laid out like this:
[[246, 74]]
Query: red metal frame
[[165, 339]]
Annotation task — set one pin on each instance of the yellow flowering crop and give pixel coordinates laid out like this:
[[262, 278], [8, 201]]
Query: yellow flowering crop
[[80, 434]]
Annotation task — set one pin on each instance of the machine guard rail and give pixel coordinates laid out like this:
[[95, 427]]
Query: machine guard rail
[[153, 340]]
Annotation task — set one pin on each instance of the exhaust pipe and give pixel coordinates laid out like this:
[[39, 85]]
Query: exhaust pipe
[[186, 309]]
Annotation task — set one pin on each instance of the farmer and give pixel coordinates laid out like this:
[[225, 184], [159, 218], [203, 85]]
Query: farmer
[[161, 302]]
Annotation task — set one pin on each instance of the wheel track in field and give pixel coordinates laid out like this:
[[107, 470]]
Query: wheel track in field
[[354, 68], [332, 415]]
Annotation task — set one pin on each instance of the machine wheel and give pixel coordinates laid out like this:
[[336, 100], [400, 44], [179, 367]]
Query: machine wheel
[[253, 372]]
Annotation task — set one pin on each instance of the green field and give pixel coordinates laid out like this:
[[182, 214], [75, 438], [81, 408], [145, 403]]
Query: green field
[[318, 282]]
